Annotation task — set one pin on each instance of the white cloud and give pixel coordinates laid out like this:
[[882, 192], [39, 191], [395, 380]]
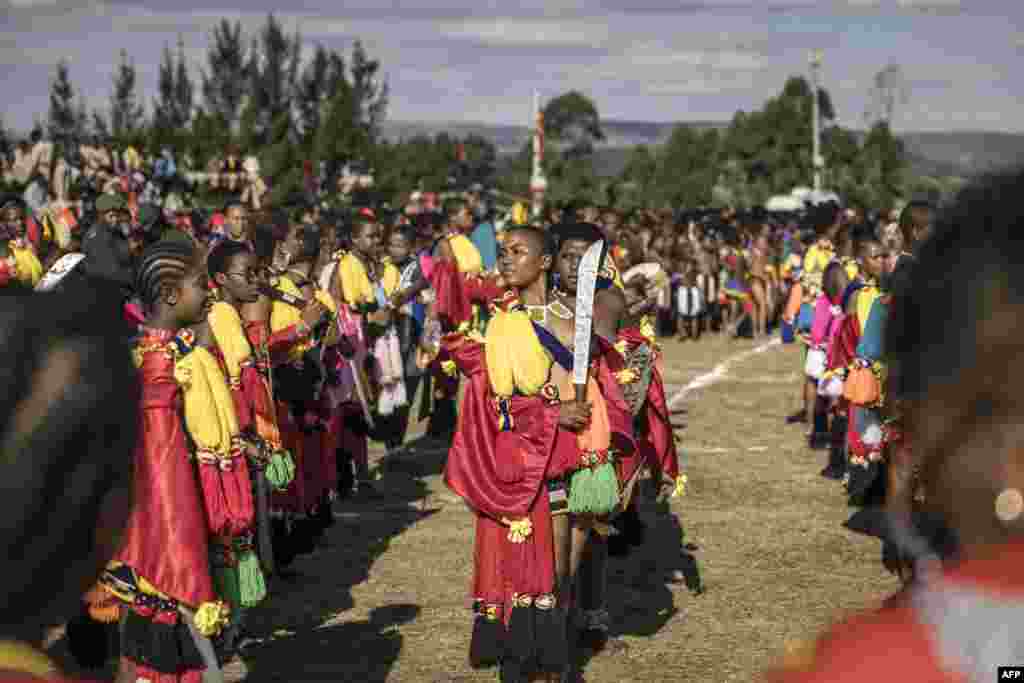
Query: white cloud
[[515, 31]]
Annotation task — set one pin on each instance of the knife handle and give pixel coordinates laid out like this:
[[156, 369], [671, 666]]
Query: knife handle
[[581, 392]]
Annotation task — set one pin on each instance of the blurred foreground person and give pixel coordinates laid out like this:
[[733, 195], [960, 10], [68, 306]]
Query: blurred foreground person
[[957, 367], [67, 397]]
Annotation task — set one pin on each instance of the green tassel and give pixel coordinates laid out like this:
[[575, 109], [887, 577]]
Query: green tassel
[[226, 581], [594, 490], [280, 470], [251, 586]]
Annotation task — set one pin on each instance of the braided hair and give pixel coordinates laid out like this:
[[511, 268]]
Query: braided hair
[[162, 264], [221, 255], [68, 423]]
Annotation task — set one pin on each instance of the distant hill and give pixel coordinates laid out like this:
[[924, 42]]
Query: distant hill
[[956, 153]]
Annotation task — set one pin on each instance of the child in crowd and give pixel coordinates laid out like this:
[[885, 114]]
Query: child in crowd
[[690, 303]]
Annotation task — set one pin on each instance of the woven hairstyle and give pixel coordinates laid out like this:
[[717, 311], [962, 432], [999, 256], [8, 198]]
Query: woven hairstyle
[[221, 255], [164, 263], [68, 423]]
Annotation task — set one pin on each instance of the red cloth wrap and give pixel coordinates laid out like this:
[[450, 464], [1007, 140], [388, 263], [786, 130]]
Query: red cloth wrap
[[293, 498], [844, 346], [455, 293], [144, 673], [228, 492], [280, 343], [656, 445], [166, 539], [264, 414], [498, 473]]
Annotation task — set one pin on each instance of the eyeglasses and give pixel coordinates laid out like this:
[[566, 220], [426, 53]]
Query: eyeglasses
[[249, 276]]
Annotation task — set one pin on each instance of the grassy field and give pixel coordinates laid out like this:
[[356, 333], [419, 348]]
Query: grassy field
[[386, 599]]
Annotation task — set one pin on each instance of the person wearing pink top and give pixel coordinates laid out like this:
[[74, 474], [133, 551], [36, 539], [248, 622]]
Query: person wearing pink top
[[828, 320]]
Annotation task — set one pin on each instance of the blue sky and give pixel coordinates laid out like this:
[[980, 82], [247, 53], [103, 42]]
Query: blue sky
[[479, 60]]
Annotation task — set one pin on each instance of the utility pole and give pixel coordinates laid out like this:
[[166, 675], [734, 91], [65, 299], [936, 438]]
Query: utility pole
[[538, 183], [817, 161]]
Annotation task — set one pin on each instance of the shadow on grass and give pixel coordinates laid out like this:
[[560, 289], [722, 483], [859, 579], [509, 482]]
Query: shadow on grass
[[302, 625], [639, 597], [364, 650]]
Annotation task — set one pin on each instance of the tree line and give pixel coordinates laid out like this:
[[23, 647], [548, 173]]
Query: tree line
[[256, 93]]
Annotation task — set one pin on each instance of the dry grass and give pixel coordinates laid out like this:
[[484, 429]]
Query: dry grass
[[387, 600]]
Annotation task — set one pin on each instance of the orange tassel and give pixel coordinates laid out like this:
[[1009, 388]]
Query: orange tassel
[[105, 614]]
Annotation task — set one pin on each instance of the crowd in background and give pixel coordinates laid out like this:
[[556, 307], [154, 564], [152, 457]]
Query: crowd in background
[[275, 341]]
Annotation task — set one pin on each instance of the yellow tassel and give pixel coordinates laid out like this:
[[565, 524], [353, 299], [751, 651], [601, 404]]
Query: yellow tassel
[[516, 360], [30, 270], [211, 618], [627, 376], [519, 215], [680, 487], [519, 529]]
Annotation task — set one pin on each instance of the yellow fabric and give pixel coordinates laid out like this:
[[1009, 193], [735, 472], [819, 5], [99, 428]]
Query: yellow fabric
[[132, 159], [467, 256], [866, 296], [598, 434], [226, 325], [516, 360], [283, 316], [209, 409], [30, 270], [519, 214], [852, 269], [816, 260], [355, 285], [21, 658]]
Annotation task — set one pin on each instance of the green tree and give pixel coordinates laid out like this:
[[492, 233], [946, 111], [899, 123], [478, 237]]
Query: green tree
[[273, 74], [209, 135], [687, 168], [883, 160], [281, 161], [126, 113], [173, 108], [62, 123], [370, 91], [100, 127], [225, 78], [313, 93], [572, 125]]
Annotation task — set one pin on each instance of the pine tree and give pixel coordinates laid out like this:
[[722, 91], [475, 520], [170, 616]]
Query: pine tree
[[273, 71], [184, 90], [370, 92], [225, 79], [62, 121], [100, 129], [312, 93], [126, 113]]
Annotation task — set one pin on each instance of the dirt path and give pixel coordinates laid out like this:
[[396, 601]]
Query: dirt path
[[386, 600]]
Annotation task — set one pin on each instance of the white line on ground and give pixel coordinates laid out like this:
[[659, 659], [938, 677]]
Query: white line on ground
[[719, 372]]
